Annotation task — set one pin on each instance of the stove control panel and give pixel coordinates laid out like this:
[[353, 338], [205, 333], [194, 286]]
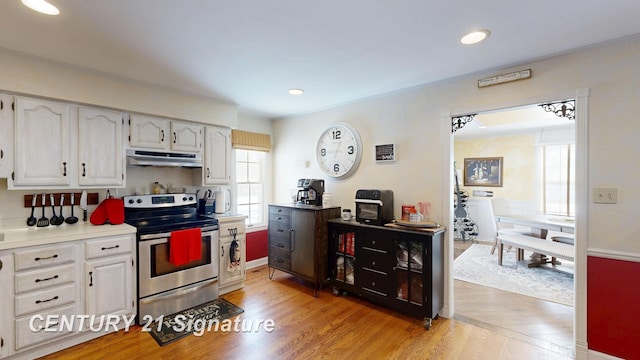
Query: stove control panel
[[155, 201]]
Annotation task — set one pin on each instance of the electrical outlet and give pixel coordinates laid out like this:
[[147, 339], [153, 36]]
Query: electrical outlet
[[605, 195]]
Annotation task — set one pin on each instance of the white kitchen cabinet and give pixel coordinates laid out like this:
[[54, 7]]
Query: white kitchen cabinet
[[6, 135], [232, 277], [217, 156], [42, 147], [109, 275], [100, 158], [186, 136], [148, 132], [47, 280]]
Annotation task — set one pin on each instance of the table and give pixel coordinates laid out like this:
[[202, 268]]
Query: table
[[540, 226]]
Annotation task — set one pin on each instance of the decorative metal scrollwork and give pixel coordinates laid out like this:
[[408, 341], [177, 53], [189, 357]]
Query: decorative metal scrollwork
[[563, 108], [458, 122]]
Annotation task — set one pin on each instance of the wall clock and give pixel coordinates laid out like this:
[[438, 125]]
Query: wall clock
[[339, 150]]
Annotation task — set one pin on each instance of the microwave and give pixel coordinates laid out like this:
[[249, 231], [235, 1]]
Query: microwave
[[374, 207]]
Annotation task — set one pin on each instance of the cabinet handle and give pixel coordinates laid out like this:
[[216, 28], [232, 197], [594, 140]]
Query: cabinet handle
[[208, 172], [280, 245], [222, 248], [292, 241], [162, 132], [47, 279], [110, 247], [278, 260], [84, 169], [1, 153], [64, 165], [42, 301], [175, 137], [46, 258], [90, 278]]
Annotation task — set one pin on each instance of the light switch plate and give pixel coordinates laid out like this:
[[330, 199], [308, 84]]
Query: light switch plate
[[605, 195]]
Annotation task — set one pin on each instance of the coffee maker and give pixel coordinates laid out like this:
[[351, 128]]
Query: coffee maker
[[310, 191]]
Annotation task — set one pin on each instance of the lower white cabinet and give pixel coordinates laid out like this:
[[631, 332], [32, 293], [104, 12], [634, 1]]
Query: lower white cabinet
[[232, 256], [45, 286]]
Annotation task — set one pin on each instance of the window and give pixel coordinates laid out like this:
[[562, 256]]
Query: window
[[250, 185], [557, 179]]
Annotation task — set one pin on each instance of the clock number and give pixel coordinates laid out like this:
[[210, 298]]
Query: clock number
[[350, 150], [323, 152], [336, 134], [336, 168]]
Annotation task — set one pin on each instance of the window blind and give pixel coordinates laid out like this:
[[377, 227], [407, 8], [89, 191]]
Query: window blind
[[250, 141]]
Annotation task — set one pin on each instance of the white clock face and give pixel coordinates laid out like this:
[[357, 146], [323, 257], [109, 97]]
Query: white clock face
[[339, 150]]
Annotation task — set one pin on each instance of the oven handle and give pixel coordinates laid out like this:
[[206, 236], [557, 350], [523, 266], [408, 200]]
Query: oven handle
[[168, 234]]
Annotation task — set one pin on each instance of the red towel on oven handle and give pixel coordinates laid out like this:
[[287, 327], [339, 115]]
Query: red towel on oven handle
[[185, 246]]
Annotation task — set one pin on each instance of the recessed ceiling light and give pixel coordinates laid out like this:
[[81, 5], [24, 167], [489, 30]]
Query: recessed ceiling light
[[41, 6], [296, 91], [475, 37]]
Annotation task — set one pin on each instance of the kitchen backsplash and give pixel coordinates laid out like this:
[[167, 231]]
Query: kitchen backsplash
[[12, 202]]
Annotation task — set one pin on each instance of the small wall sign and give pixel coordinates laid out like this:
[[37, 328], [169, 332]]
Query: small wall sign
[[385, 153], [499, 79]]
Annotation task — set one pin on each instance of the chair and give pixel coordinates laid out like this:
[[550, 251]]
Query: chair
[[500, 206]]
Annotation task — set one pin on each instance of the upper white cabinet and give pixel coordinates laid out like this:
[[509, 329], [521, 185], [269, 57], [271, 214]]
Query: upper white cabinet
[[42, 148], [186, 136], [155, 133], [100, 158], [148, 132], [6, 135], [217, 157]]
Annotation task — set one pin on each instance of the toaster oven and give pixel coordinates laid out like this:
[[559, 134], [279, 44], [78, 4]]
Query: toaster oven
[[374, 207]]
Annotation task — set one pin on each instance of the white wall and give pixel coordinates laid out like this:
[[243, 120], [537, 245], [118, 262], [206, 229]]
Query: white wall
[[416, 119]]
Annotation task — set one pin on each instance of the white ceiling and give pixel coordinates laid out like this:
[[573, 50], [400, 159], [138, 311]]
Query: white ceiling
[[250, 52]]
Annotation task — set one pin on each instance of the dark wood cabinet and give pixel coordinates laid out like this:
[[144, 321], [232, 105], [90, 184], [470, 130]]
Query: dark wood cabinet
[[298, 241], [402, 269]]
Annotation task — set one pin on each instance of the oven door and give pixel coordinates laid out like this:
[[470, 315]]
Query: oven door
[[156, 274], [368, 211]]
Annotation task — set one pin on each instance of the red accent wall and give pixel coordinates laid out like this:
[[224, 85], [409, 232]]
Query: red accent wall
[[613, 307], [257, 244]]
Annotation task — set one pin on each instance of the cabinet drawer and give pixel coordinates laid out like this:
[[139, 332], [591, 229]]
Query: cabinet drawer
[[278, 210], [374, 243], [48, 256], [25, 337], [279, 230], [375, 261], [108, 246], [280, 243], [375, 283], [279, 259], [45, 299], [225, 229], [44, 278], [285, 220]]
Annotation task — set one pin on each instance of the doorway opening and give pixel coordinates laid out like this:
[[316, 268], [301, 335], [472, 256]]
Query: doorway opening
[[512, 140]]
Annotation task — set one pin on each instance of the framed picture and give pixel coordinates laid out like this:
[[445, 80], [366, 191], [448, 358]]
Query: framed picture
[[385, 152], [483, 171]]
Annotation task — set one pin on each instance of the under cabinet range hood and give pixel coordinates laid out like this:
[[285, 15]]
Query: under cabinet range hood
[[162, 158]]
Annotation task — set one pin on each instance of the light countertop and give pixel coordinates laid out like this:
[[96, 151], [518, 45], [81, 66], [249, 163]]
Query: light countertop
[[14, 234]]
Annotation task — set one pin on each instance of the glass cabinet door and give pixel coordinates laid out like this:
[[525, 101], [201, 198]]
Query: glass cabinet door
[[409, 265], [345, 255]]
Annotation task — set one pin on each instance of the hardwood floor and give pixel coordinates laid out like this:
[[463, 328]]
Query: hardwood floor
[[536, 321], [333, 327]]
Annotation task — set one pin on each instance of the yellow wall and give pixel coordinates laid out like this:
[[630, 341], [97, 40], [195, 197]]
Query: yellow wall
[[518, 151]]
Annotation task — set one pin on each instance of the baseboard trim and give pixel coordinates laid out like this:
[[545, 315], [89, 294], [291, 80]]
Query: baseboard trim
[[257, 262]]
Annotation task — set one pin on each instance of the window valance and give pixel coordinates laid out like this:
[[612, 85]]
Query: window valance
[[250, 141]]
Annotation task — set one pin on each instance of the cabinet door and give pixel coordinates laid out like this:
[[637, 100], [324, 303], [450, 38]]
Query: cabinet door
[[303, 242], [217, 155], [231, 274], [186, 136], [108, 285], [6, 136], [42, 143], [100, 147], [148, 132]]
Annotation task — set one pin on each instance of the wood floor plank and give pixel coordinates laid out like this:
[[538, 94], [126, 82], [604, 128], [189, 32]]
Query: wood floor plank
[[326, 327]]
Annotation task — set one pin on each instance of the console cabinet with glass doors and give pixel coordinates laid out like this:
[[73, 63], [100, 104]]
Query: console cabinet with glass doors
[[396, 268]]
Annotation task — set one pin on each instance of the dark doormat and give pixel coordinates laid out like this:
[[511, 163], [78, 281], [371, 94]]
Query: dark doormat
[[184, 323]]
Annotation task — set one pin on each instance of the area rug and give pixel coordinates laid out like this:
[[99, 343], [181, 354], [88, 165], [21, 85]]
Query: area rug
[[184, 323], [478, 266]]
